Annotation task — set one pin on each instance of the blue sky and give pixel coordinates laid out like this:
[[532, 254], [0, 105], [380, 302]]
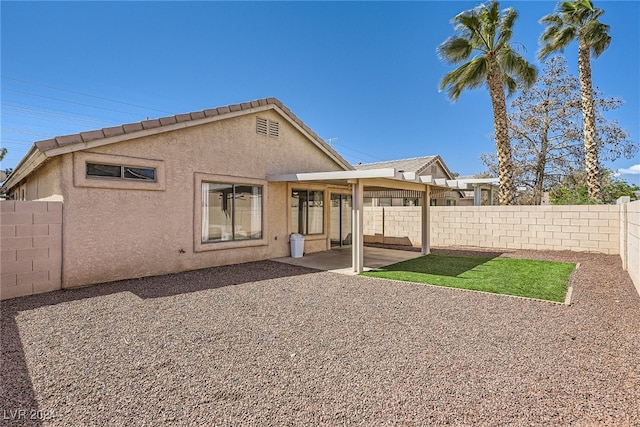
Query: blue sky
[[364, 74]]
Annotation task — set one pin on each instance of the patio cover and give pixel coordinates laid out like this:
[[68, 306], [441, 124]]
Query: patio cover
[[476, 185], [373, 180]]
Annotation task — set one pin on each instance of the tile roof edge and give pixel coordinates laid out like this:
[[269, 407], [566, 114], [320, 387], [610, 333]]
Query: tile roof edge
[[83, 137], [132, 127]]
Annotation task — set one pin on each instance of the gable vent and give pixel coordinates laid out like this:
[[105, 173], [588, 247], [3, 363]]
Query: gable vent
[[274, 129], [261, 126], [267, 127]]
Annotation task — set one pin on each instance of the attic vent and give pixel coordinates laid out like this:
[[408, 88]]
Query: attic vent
[[267, 127], [261, 126], [274, 129]]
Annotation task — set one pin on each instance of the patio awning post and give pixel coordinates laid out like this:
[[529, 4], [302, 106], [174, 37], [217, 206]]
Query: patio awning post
[[425, 223], [357, 247], [477, 195]]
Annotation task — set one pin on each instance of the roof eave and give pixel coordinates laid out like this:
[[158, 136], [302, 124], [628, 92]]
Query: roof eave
[[30, 162], [183, 125], [56, 151], [42, 150]]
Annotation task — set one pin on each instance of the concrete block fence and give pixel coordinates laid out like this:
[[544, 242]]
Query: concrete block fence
[[630, 240], [578, 228], [31, 247], [31, 239]]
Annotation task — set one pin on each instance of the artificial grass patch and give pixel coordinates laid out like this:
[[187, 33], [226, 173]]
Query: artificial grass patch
[[546, 280]]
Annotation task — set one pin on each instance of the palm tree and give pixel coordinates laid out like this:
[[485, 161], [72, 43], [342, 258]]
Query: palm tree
[[573, 20], [486, 32]]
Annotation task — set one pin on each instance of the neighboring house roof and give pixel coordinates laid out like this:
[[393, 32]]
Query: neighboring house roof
[[416, 165], [42, 150]]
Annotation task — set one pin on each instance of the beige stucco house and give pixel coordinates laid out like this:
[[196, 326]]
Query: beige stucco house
[[214, 187]]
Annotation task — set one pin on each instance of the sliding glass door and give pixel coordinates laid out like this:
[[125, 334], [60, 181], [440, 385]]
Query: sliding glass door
[[340, 225]]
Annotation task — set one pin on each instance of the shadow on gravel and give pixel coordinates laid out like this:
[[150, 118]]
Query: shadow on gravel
[[166, 285], [17, 396]]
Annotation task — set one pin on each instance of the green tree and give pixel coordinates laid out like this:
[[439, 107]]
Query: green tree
[[574, 189], [579, 20], [485, 32]]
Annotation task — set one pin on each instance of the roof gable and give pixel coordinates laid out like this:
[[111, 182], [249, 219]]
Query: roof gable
[[413, 164], [417, 165], [41, 150]]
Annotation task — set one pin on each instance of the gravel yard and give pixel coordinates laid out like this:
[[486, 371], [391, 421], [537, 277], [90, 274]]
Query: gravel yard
[[267, 343]]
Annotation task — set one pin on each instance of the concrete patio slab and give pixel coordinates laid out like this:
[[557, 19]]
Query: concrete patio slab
[[339, 260]]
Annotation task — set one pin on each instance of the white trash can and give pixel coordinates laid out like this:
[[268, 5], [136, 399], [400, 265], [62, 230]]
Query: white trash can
[[297, 245]]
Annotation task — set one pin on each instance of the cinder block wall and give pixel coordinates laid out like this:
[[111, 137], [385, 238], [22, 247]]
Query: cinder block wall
[[31, 246], [373, 224], [631, 258], [576, 228], [392, 225], [402, 227]]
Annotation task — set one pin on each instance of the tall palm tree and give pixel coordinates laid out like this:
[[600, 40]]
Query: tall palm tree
[[579, 19], [486, 32]]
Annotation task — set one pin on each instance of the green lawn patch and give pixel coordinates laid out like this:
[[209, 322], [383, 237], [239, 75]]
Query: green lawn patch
[[546, 280]]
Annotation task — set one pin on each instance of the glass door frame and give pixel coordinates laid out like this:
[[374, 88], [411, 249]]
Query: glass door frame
[[345, 234]]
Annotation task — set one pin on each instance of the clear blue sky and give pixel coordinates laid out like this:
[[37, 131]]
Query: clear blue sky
[[363, 73]]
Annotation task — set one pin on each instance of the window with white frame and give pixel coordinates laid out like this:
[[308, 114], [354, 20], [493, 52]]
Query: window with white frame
[[307, 211], [231, 212]]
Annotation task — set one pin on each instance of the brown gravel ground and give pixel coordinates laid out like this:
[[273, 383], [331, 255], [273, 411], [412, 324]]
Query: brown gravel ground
[[266, 343]]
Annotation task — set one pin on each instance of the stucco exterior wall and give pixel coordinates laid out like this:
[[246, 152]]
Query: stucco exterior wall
[[576, 228], [115, 233], [45, 185], [31, 247]]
